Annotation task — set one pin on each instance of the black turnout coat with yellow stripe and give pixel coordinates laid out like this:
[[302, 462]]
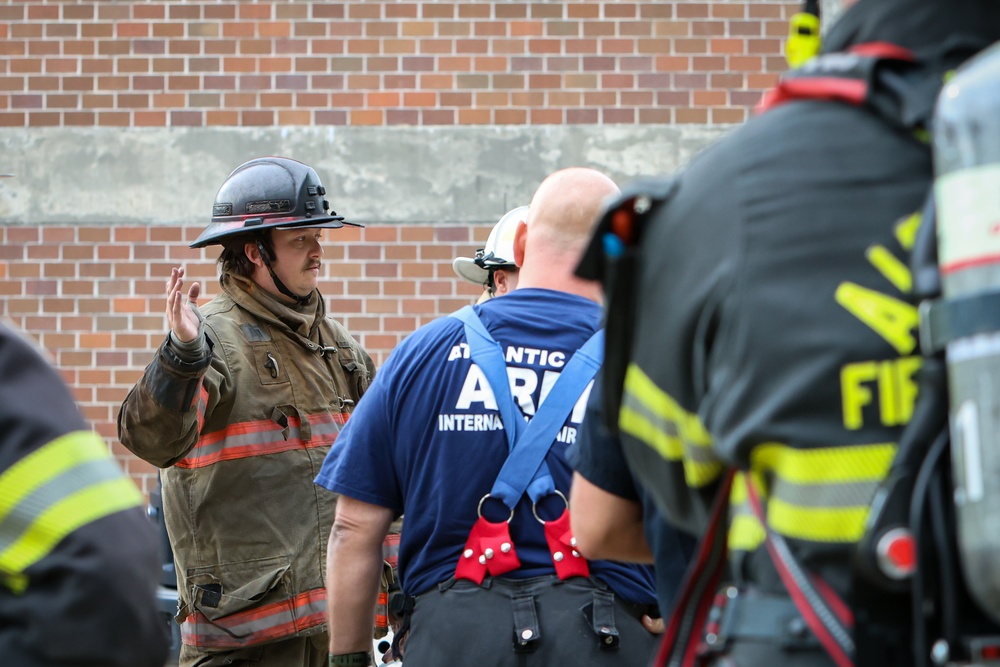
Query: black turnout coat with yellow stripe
[[775, 329], [775, 332], [79, 558]]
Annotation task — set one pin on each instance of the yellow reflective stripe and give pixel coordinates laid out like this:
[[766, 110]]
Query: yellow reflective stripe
[[826, 465], [822, 494], [35, 518], [47, 463], [745, 533], [650, 415], [633, 423], [829, 524], [696, 473], [642, 388], [64, 517]]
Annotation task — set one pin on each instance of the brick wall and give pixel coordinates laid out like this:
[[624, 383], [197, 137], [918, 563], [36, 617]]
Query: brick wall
[[91, 292], [93, 297], [376, 62]]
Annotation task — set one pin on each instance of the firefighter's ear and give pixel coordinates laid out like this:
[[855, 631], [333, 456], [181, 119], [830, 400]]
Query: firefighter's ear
[[520, 238], [252, 252]]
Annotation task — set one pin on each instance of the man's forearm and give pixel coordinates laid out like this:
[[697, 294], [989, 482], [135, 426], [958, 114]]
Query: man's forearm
[[607, 526], [354, 568]]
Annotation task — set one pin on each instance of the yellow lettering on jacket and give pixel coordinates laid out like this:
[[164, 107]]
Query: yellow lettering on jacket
[[890, 382], [892, 319], [906, 230]]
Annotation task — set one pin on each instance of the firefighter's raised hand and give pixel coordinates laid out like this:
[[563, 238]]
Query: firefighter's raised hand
[[182, 309]]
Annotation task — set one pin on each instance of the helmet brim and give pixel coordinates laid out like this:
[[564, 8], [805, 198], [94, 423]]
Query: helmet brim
[[468, 270], [217, 232]]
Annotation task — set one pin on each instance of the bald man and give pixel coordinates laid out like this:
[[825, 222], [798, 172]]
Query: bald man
[[488, 569]]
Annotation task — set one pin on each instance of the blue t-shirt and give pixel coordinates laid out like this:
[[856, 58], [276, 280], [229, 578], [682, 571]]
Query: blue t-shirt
[[427, 439]]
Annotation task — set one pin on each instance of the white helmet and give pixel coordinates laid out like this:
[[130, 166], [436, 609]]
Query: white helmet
[[498, 253]]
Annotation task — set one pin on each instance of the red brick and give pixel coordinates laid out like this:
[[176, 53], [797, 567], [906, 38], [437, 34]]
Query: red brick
[[697, 116], [475, 116], [43, 48], [257, 118], [168, 30], [225, 12], [234, 30], [42, 13], [42, 119], [328, 11], [254, 11], [25, 66], [620, 11], [79, 119], [119, 119], [763, 10], [728, 115]]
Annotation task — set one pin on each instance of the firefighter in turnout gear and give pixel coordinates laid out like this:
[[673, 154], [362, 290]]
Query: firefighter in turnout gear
[[239, 409], [762, 357], [78, 555]]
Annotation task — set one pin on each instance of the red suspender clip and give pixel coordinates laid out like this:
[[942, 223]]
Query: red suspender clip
[[562, 545], [489, 548]]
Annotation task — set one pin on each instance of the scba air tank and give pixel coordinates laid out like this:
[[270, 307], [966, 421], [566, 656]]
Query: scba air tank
[[967, 192]]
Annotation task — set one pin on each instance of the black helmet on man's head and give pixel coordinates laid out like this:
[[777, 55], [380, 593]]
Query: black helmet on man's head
[[267, 193]]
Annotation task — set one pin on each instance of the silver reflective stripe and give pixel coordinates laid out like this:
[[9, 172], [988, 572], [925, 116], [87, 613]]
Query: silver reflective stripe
[[261, 437], [259, 625]]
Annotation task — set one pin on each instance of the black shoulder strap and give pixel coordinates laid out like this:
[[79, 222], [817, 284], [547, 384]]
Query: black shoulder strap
[[612, 258]]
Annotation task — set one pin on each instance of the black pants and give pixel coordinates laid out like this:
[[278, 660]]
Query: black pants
[[540, 621], [758, 654], [764, 630]]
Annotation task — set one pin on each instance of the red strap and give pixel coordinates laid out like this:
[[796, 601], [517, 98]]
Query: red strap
[[701, 581], [562, 545], [816, 83], [818, 88], [488, 549], [885, 50], [821, 608]]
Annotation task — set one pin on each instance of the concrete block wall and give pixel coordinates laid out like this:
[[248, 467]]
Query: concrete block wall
[[426, 119]]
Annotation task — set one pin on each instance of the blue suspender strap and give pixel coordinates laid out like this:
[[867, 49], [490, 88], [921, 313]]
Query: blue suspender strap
[[527, 461], [525, 468], [487, 354]]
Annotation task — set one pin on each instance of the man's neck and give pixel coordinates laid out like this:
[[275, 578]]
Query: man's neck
[[569, 284]]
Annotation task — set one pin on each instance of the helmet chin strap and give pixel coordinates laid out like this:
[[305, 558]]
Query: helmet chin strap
[[265, 254]]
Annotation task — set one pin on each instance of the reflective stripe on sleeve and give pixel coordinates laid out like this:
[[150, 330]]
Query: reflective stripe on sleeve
[[68, 483], [259, 625], [652, 416]]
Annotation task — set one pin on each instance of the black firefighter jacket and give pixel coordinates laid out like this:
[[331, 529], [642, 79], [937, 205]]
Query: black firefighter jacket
[[79, 558]]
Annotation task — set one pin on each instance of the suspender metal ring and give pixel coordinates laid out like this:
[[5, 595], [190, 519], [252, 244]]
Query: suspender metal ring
[[490, 495], [534, 506]]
